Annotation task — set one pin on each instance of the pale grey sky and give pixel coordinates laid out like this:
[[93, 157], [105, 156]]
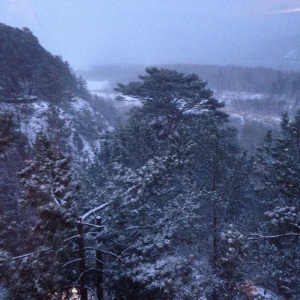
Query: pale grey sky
[[87, 32]]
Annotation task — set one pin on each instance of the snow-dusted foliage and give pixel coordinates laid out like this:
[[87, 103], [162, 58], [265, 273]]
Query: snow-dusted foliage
[[278, 169], [36, 270], [6, 131], [172, 178], [76, 128], [48, 128], [156, 254], [234, 249], [182, 216]]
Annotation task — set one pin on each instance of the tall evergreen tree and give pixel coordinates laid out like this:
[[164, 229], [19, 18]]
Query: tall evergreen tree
[[36, 270], [168, 95], [278, 167], [176, 177]]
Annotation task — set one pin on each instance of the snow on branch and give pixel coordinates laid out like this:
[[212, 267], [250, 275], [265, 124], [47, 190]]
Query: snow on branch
[[105, 252], [260, 236], [72, 238], [27, 254], [91, 225], [36, 252], [79, 259], [71, 262], [86, 215]]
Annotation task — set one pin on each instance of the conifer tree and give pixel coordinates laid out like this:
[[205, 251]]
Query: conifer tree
[[37, 270], [6, 130], [167, 96], [278, 167], [175, 176]]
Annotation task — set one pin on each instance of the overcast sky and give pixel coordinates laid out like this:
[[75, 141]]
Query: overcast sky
[[87, 32]]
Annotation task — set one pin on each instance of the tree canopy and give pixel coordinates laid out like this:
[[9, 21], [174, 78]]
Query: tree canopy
[[167, 96]]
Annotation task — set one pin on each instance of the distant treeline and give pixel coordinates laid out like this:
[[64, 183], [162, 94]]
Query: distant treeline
[[238, 78]]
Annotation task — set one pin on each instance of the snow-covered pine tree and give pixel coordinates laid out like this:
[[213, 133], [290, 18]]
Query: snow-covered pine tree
[[218, 166], [57, 129], [167, 96], [278, 167], [37, 271], [175, 176], [234, 249]]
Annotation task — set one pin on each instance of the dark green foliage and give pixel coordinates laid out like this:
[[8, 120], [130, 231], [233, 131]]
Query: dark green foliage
[[48, 216], [234, 250], [47, 178], [136, 141], [27, 70], [174, 175], [81, 89], [278, 160], [6, 130], [167, 96], [278, 168], [12, 152]]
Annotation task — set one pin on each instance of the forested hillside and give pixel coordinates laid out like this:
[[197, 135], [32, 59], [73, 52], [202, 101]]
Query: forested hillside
[[28, 69], [50, 128], [167, 205]]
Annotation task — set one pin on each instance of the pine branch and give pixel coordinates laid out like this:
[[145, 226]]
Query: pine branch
[[91, 225], [105, 252], [254, 236], [86, 258], [86, 215], [36, 252], [26, 255], [72, 238]]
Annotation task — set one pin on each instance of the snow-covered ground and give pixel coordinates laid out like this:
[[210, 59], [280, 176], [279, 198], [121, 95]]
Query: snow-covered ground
[[98, 85], [262, 293], [105, 89], [32, 118], [243, 114]]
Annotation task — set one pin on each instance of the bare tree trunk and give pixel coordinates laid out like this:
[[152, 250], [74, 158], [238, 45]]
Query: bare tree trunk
[[214, 220], [99, 264], [81, 252]]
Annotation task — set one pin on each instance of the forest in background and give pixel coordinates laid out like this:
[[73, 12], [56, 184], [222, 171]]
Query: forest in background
[[185, 212], [236, 78]]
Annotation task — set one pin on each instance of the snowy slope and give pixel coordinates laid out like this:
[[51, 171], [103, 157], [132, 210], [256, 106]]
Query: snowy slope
[[76, 127], [105, 90]]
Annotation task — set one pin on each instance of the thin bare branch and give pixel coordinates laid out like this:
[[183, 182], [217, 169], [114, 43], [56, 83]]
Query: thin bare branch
[[26, 255], [260, 236], [96, 209]]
